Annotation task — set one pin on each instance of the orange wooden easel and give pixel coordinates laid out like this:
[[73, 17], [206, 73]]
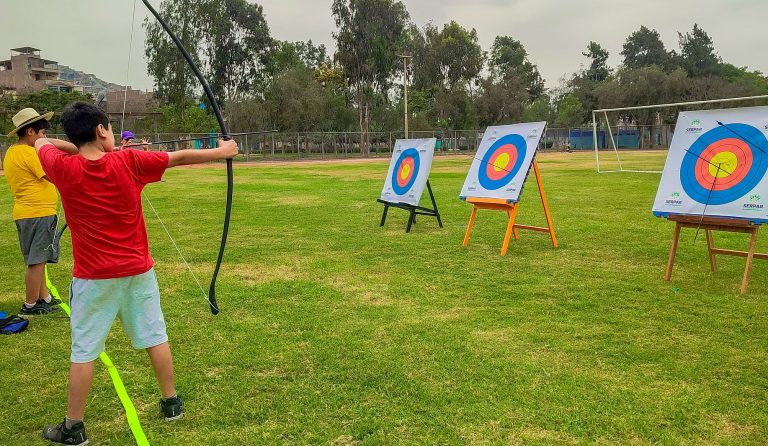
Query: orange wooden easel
[[709, 225], [500, 204]]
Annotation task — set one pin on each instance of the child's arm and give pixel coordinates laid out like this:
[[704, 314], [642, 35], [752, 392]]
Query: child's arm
[[64, 146], [226, 149]]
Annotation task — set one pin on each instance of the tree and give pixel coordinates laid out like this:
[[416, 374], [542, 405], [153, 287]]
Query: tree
[[644, 48], [42, 101], [237, 46], [228, 39], [456, 52], [509, 58], [501, 101], [368, 37], [292, 54], [697, 53], [175, 82], [598, 69], [570, 112], [538, 110]]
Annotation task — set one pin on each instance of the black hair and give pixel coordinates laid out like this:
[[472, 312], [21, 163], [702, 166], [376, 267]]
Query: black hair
[[36, 126], [80, 120]]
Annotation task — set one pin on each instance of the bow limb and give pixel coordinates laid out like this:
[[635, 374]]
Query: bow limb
[[225, 135]]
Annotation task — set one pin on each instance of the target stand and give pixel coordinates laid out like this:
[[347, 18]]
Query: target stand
[[511, 208], [413, 210], [709, 225]]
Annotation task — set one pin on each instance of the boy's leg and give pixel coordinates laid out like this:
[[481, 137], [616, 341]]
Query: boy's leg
[[44, 292], [162, 362], [34, 276], [80, 381]]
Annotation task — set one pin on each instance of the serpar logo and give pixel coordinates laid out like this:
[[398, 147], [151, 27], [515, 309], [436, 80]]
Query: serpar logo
[[754, 203], [674, 199], [695, 126]]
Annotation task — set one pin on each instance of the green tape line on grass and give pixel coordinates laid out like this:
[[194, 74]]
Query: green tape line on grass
[[130, 410]]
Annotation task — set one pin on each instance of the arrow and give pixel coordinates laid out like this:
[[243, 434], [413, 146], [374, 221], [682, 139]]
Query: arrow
[[168, 141], [701, 221]]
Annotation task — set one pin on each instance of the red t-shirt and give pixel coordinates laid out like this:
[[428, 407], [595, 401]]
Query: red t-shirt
[[102, 201]]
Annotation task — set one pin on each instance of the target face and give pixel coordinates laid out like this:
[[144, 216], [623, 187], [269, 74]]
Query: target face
[[717, 166], [724, 164], [406, 171], [502, 162]]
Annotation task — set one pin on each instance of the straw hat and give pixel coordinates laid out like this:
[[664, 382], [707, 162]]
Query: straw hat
[[27, 116]]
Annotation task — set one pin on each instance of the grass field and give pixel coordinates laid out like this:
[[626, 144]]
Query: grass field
[[335, 331]]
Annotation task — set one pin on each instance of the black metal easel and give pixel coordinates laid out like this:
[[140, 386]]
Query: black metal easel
[[413, 210]]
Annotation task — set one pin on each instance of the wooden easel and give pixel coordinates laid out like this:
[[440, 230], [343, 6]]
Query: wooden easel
[[413, 210], [709, 224], [499, 204]]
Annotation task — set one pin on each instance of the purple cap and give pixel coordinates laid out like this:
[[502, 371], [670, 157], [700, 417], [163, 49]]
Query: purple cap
[[127, 135]]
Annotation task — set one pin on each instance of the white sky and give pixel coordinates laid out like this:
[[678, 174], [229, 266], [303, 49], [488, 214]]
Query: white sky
[[94, 35]]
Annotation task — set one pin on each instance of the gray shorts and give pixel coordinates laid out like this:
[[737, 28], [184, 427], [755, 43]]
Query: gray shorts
[[96, 303], [37, 239]]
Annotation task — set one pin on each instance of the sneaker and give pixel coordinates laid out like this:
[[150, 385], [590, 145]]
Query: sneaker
[[60, 434], [54, 301], [172, 408], [40, 307]]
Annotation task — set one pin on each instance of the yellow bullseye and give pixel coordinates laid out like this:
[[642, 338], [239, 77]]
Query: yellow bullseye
[[727, 162], [405, 171], [501, 162]]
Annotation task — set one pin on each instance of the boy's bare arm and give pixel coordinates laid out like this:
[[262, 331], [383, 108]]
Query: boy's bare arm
[[64, 146], [226, 149]]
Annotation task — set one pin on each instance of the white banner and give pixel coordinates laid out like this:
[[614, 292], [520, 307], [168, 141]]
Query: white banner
[[502, 161], [717, 165], [408, 170]]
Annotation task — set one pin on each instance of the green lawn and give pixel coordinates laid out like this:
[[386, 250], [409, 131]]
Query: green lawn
[[335, 331]]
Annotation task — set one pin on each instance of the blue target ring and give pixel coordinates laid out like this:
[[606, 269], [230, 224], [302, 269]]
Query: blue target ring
[[746, 143], [411, 161], [514, 144]]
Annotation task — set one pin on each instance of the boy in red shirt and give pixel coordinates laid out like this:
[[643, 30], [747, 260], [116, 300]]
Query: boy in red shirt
[[113, 271]]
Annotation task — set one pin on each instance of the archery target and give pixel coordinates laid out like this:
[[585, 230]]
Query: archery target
[[503, 161], [717, 165], [408, 170]]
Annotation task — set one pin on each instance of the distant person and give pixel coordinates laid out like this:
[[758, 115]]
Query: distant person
[[126, 142], [113, 274], [35, 202]]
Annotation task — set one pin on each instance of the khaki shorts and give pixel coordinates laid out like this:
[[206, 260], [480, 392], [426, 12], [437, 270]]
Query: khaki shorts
[[96, 303]]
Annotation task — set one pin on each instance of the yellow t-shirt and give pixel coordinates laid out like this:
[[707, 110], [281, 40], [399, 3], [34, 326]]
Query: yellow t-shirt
[[33, 195]]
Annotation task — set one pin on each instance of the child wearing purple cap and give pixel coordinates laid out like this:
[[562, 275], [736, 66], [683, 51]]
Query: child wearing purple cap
[[126, 139]]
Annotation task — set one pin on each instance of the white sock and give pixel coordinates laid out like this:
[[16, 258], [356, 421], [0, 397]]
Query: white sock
[[29, 305], [48, 299]]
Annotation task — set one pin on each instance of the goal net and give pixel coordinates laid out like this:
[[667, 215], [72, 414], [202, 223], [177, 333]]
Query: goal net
[[635, 139]]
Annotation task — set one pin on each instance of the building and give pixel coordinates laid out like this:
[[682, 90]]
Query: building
[[135, 101], [27, 72]]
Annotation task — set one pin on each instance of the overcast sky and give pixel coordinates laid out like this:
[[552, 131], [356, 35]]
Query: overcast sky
[[94, 36]]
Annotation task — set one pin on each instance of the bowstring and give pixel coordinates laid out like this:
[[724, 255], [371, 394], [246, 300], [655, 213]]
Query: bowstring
[[178, 250], [128, 69]]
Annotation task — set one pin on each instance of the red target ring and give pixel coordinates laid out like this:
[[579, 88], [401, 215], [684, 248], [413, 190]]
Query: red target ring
[[501, 162], [735, 159]]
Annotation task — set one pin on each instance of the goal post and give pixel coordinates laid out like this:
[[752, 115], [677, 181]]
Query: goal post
[[599, 114]]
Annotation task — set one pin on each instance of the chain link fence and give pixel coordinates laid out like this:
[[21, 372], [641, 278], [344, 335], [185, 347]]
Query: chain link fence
[[292, 146]]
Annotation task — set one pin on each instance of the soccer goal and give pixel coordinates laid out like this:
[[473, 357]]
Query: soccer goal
[[617, 128]]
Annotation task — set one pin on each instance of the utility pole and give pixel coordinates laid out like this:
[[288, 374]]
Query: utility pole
[[405, 90]]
